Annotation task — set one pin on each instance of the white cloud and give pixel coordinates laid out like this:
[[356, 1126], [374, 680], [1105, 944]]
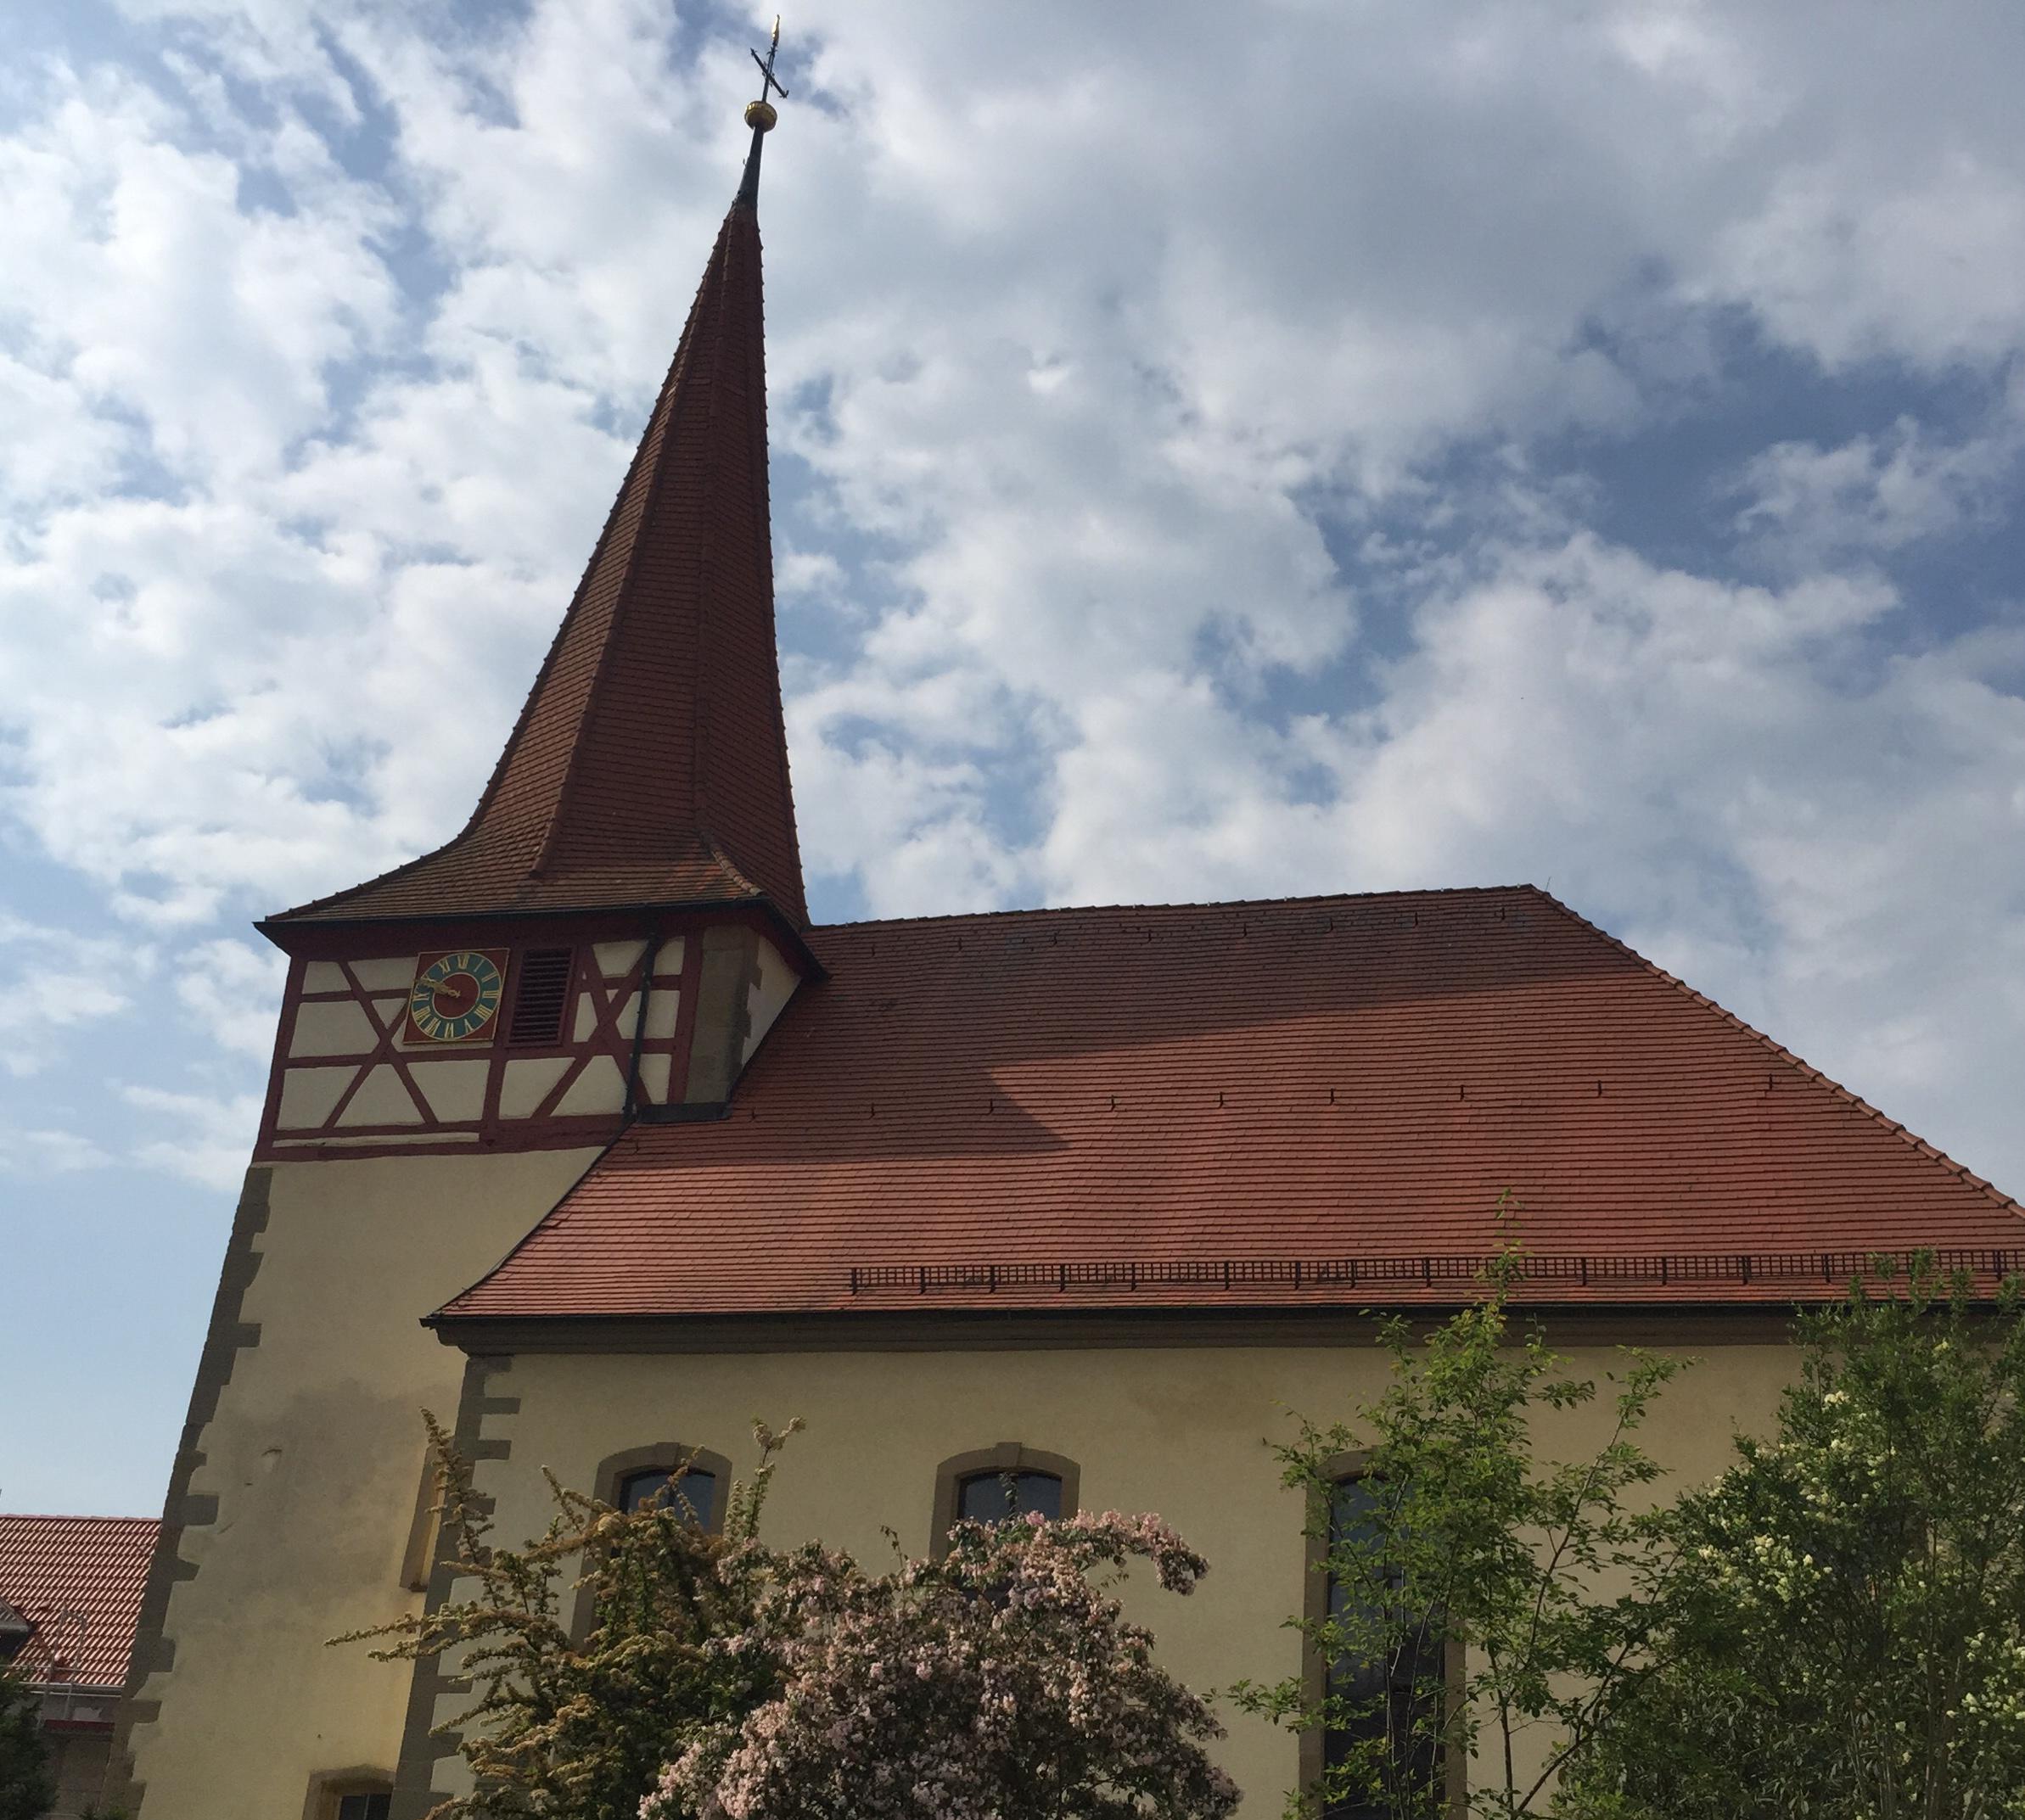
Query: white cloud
[[36, 1152], [814, 572], [1927, 267], [53, 982], [136, 274], [208, 1140], [232, 989], [1808, 506]]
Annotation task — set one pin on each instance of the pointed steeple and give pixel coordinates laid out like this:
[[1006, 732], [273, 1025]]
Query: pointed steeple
[[649, 766]]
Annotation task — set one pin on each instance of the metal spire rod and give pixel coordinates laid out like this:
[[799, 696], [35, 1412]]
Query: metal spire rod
[[760, 117]]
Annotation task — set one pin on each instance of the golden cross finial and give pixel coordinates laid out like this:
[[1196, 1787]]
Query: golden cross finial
[[767, 79]]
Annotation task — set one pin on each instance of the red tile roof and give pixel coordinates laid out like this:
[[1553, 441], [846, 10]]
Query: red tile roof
[[78, 1580], [650, 764], [1086, 1107]]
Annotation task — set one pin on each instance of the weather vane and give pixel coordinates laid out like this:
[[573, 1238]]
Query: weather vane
[[760, 117], [760, 114]]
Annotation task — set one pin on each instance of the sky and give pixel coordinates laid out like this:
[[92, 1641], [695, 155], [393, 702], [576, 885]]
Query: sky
[[1218, 451]]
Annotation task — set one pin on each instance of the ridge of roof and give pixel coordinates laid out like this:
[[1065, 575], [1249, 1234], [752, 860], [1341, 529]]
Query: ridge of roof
[[1545, 897], [1932, 1151], [947, 918], [59, 1516], [648, 762], [737, 872]]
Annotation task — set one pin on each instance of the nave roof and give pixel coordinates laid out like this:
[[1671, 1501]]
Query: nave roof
[[1082, 1108]]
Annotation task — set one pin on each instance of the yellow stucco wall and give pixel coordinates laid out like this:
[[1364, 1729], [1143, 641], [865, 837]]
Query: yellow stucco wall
[[315, 1456], [1179, 1432]]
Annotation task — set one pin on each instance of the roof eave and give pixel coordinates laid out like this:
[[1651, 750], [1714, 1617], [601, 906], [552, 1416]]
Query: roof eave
[[280, 928], [1038, 1328]]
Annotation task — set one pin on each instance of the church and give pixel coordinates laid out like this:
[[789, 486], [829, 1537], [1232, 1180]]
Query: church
[[580, 1134]]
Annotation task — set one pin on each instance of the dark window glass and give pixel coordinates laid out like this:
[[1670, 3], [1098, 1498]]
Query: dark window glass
[[1391, 1692], [696, 1491], [540, 996], [992, 1497], [363, 1806]]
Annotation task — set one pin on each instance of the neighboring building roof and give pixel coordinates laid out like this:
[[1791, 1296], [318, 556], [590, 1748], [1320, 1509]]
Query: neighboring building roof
[[78, 1580], [1091, 1107], [650, 764]]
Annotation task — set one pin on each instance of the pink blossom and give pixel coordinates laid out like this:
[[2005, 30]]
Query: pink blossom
[[1027, 1685]]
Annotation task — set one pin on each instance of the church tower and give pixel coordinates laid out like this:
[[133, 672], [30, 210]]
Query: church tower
[[605, 944]]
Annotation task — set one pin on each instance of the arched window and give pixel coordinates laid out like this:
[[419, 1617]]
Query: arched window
[[350, 1794], [994, 1483], [992, 1497], [684, 1477], [693, 1480], [1387, 1692], [693, 1489]]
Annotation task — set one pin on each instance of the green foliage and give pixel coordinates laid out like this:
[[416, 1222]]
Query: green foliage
[[26, 1790], [1506, 1600], [1847, 1639], [572, 1729]]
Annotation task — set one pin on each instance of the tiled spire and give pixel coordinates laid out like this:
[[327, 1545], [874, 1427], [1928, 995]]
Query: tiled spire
[[650, 764]]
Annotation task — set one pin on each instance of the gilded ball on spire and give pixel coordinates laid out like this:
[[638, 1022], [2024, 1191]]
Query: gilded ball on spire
[[760, 115]]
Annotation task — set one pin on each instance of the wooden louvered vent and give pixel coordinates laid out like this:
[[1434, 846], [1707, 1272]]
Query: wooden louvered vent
[[541, 997]]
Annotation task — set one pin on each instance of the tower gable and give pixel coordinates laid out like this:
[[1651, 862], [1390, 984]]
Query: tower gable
[[531, 1035]]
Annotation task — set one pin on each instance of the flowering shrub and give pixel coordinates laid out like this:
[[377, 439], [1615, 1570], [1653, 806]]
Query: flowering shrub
[[577, 1727], [1000, 1683]]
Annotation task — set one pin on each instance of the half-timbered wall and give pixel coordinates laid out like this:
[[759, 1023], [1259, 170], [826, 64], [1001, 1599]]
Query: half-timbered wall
[[351, 1077]]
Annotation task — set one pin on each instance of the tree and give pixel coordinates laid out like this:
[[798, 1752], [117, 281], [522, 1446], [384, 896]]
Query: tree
[[1481, 1603], [27, 1791], [998, 1684], [579, 1729], [1848, 1636]]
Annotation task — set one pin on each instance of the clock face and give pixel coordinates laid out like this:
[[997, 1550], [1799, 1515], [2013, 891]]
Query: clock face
[[456, 996]]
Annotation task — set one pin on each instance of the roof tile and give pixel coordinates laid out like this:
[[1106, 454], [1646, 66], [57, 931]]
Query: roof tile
[[650, 764], [1337, 1078], [79, 1581]]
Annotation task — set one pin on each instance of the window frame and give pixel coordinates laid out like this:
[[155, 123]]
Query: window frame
[[665, 1456], [1338, 1470], [1008, 1456], [676, 1491], [662, 1456], [329, 1787]]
